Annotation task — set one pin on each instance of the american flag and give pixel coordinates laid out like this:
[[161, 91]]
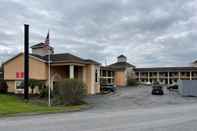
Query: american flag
[[46, 43]]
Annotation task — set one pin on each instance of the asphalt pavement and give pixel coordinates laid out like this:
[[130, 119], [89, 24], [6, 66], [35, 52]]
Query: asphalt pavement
[[169, 118], [130, 109]]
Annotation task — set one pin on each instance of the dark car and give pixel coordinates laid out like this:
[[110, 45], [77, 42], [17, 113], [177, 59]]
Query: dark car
[[173, 87], [108, 89], [157, 89]]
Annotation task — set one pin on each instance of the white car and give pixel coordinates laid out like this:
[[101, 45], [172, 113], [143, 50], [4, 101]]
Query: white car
[[148, 83]]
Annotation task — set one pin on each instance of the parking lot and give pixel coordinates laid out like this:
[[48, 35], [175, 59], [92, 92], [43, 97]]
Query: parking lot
[[131, 108], [137, 97]]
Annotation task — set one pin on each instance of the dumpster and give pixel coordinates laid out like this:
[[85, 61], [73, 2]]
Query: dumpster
[[188, 87]]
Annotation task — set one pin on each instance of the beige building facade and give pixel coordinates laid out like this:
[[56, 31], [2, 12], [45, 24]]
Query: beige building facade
[[62, 66]]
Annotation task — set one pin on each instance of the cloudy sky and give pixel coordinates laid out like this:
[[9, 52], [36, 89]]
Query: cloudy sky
[[148, 32]]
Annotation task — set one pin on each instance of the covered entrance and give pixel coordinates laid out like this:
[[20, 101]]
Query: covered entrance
[[61, 72]]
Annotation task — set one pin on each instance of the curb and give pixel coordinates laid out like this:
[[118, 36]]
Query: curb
[[82, 108]]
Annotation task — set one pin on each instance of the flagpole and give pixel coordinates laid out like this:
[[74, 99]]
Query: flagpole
[[49, 77], [49, 68]]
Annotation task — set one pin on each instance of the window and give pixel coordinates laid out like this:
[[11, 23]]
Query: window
[[104, 73], [110, 73], [19, 85], [109, 81], [112, 80]]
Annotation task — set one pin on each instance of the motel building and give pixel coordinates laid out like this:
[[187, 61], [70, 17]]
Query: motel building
[[117, 73], [68, 66], [63, 66]]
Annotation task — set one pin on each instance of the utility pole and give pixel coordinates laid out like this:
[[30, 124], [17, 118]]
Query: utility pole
[[26, 62]]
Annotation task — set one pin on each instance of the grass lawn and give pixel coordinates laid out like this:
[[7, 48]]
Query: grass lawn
[[11, 105]]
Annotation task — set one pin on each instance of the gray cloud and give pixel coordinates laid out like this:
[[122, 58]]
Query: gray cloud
[[149, 32]]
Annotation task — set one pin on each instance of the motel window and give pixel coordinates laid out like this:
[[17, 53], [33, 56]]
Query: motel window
[[112, 80], [109, 81], [19, 85], [104, 73], [109, 74]]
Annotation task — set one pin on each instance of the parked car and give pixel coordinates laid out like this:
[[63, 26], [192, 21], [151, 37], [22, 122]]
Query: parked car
[[173, 87], [108, 88], [157, 89], [148, 83]]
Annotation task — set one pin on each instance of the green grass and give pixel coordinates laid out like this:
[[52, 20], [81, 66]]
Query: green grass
[[11, 105]]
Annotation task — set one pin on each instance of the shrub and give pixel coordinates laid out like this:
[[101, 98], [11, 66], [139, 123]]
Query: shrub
[[131, 82], [35, 83], [44, 91], [69, 92], [3, 87]]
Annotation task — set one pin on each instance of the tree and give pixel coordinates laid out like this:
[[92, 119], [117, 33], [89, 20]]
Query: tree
[[3, 86]]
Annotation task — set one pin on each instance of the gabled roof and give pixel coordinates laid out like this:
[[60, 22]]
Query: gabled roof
[[32, 56], [121, 65], [58, 58], [66, 57], [92, 61]]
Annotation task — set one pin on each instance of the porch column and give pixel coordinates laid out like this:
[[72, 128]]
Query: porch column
[[168, 78], [84, 74], [179, 75], [93, 86], [190, 75], [71, 71], [148, 76], [139, 77], [158, 76]]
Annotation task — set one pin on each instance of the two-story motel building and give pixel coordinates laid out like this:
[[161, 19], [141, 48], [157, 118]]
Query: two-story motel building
[[163, 75]]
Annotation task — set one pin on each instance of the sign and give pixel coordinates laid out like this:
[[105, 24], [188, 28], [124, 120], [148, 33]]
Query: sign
[[19, 74]]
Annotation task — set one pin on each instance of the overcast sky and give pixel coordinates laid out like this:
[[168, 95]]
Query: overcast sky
[[148, 32]]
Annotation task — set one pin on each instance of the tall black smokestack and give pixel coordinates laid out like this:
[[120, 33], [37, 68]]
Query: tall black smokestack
[[26, 61]]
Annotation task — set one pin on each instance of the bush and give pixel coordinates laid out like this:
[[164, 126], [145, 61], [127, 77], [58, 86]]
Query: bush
[[35, 83], [3, 87], [131, 82], [69, 92], [44, 91]]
